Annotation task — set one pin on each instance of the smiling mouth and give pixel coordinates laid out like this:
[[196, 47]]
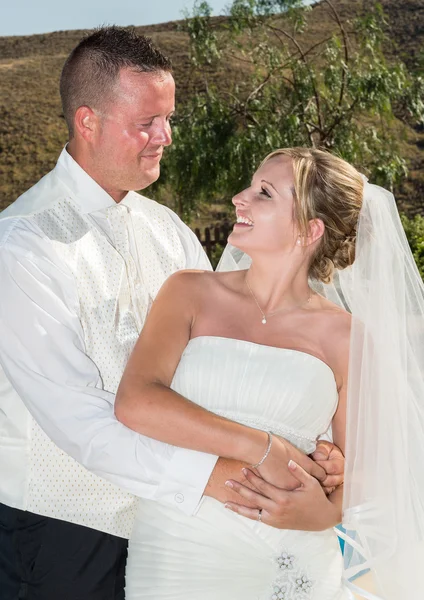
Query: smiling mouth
[[243, 221]]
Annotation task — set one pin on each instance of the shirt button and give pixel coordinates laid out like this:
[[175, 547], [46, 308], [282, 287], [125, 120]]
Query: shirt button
[[179, 498]]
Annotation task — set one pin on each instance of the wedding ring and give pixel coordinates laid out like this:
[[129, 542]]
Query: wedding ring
[[260, 515]]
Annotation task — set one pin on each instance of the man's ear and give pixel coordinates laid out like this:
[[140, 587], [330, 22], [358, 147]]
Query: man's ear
[[316, 231], [86, 123]]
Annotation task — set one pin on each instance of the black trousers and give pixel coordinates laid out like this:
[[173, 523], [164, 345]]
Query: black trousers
[[48, 559]]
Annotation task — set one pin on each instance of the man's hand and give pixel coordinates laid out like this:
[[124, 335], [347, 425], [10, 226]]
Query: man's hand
[[327, 467], [306, 508], [226, 469], [331, 459]]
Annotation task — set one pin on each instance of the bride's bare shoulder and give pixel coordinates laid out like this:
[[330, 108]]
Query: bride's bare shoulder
[[336, 319], [195, 282], [332, 309]]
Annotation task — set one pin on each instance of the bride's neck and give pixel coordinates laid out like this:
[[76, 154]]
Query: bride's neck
[[277, 284]]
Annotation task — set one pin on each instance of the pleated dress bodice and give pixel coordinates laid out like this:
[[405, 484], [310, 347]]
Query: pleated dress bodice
[[288, 392]]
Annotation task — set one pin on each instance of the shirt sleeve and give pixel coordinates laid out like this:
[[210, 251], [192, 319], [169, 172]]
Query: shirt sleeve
[[43, 355]]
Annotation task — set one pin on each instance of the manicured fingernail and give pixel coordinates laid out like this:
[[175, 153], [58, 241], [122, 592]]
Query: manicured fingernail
[[228, 506], [292, 465], [229, 484], [244, 471]]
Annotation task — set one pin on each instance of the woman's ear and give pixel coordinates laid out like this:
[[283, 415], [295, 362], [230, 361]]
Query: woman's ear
[[316, 231]]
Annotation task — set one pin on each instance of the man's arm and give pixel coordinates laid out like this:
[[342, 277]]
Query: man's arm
[[43, 354]]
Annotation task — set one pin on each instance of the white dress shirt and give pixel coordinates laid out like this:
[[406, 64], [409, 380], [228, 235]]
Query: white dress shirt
[[78, 274]]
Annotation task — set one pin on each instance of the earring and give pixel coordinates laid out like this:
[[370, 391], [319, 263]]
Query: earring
[[298, 241]]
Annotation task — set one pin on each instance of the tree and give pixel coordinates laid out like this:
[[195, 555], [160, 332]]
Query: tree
[[414, 229], [338, 92]]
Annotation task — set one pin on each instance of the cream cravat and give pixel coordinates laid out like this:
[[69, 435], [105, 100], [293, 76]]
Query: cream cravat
[[133, 295]]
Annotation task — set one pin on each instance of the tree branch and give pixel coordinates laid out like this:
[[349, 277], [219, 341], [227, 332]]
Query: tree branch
[[239, 58], [341, 116], [277, 30], [345, 46], [256, 91]]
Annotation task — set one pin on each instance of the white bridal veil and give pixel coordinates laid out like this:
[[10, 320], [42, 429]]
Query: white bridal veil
[[384, 480]]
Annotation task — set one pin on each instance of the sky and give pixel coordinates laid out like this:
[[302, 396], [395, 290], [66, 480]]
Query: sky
[[26, 17]]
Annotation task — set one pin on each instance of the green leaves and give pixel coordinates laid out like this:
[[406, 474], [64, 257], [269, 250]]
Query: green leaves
[[414, 229], [337, 92], [204, 42]]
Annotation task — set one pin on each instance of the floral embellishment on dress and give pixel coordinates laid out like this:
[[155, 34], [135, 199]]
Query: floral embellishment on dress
[[280, 593], [303, 584], [285, 561], [291, 582]]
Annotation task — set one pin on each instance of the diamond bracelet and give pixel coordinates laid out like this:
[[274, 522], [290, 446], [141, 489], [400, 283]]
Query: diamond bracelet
[[267, 451]]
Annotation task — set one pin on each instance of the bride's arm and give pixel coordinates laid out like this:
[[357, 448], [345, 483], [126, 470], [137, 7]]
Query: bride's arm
[[339, 438], [146, 404], [340, 347]]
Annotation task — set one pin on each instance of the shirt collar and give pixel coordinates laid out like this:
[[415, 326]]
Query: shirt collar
[[90, 195]]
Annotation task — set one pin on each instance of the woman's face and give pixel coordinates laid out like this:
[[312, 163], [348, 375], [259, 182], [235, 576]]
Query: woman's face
[[265, 210]]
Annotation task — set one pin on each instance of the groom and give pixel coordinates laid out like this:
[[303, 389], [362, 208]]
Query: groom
[[82, 258]]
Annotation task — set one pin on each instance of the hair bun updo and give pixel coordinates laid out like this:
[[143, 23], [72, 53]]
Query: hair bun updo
[[345, 255], [341, 254]]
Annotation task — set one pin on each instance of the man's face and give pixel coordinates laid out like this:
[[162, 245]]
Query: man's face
[[134, 129]]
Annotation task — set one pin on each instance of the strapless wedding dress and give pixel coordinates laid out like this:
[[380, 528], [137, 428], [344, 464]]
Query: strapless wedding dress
[[217, 554]]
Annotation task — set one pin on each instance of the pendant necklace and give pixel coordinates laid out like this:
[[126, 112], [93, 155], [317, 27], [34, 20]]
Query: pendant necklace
[[264, 317]]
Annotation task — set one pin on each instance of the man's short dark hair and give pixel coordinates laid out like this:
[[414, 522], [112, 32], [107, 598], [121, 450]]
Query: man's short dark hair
[[92, 69]]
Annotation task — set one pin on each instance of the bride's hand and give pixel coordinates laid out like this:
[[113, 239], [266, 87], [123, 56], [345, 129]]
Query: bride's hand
[[274, 468], [305, 508]]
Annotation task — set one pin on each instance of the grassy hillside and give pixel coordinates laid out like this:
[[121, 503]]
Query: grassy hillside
[[32, 129]]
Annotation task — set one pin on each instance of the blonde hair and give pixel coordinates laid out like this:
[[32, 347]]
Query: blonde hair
[[330, 189]]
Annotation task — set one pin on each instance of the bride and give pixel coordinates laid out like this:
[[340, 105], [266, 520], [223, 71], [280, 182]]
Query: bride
[[262, 347]]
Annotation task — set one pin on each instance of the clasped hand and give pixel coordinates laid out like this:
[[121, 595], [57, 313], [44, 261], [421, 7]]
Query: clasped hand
[[294, 497]]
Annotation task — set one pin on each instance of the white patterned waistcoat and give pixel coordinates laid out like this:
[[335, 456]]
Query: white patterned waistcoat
[[114, 296]]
